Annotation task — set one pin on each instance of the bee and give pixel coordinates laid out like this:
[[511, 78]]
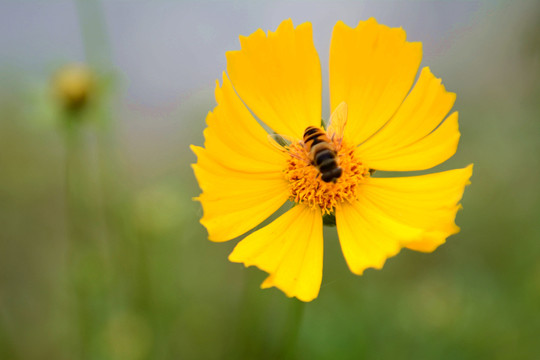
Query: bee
[[322, 146], [322, 154]]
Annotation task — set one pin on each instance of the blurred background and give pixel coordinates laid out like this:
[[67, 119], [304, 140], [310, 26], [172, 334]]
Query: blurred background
[[101, 252]]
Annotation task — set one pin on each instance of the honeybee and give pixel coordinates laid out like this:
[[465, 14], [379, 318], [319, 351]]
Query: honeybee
[[322, 146]]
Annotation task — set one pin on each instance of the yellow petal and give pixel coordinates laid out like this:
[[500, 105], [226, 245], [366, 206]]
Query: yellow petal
[[367, 236], [372, 68], [416, 138], [279, 77], [239, 172], [416, 212], [234, 138], [233, 201], [290, 249]]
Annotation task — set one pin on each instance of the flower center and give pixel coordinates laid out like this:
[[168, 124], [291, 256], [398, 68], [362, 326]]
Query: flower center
[[306, 184]]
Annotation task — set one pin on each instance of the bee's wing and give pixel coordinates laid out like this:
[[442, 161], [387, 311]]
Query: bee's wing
[[337, 123], [281, 142]]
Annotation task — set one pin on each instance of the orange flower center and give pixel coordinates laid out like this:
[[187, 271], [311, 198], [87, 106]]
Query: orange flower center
[[307, 187]]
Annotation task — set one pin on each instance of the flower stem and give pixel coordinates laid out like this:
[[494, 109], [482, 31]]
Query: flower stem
[[78, 238], [292, 328]]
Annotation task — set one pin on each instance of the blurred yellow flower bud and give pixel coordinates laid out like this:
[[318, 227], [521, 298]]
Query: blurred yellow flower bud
[[73, 85]]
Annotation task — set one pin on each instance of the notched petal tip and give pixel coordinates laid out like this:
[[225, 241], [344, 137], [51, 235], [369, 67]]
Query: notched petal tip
[[370, 21], [368, 236], [245, 41], [290, 250], [467, 173], [218, 87], [359, 269], [236, 258], [372, 68], [340, 25], [213, 238], [230, 55], [285, 25], [269, 283], [470, 171], [416, 212], [194, 148], [278, 77]]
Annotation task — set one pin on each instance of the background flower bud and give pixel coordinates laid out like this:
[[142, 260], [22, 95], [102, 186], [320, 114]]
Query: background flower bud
[[73, 85]]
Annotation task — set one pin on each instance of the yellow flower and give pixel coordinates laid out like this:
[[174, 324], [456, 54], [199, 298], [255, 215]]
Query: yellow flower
[[389, 127]]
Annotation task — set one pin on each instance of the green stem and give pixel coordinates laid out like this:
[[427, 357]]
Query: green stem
[[292, 328], [119, 240], [76, 229], [89, 249], [98, 56]]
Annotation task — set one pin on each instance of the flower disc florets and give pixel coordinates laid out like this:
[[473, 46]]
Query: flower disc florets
[[306, 185]]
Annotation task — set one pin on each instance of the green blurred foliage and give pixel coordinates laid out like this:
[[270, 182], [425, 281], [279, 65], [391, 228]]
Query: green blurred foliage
[[99, 260]]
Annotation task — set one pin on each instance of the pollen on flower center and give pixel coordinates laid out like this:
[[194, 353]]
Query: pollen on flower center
[[306, 185]]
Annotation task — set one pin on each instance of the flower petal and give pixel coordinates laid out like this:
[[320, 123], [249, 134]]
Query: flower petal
[[234, 138], [416, 138], [290, 249], [279, 77], [372, 68], [416, 212], [239, 172]]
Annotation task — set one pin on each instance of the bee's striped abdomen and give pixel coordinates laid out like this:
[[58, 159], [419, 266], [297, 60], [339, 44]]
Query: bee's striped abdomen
[[322, 153]]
